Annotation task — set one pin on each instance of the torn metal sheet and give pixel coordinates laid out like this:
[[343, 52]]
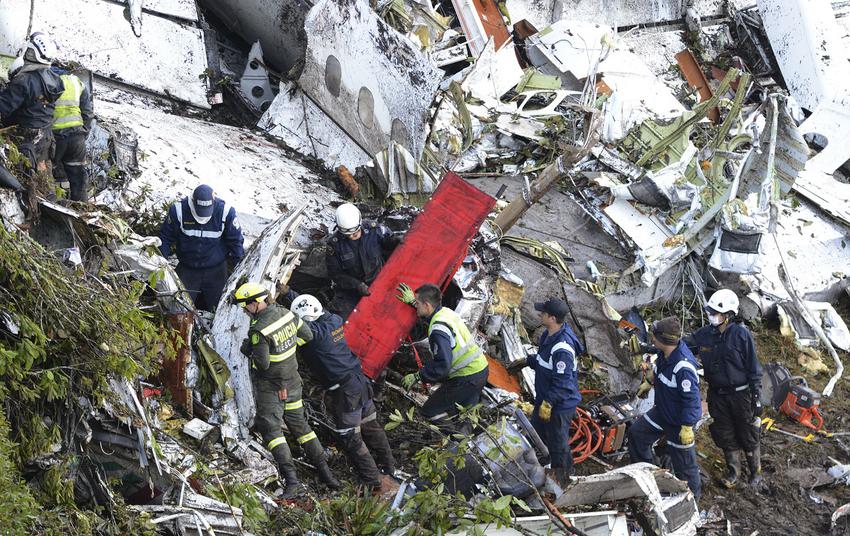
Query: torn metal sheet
[[262, 264], [610, 12], [180, 9], [793, 324], [397, 173], [254, 82], [189, 513], [481, 21], [601, 523], [493, 74], [374, 84], [169, 58]]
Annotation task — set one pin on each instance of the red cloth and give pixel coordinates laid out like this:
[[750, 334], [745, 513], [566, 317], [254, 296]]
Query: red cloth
[[432, 251]]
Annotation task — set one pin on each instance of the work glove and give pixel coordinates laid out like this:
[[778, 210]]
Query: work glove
[[246, 347], [363, 289], [516, 366], [644, 388], [756, 403], [405, 294], [686, 435], [282, 289], [408, 381], [545, 411]]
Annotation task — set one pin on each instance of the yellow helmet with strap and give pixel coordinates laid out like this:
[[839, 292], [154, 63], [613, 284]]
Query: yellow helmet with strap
[[250, 292]]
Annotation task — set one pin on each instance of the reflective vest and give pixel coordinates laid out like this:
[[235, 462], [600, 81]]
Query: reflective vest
[[280, 327], [67, 112], [467, 357]]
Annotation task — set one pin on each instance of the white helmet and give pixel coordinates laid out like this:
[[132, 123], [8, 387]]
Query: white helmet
[[723, 301], [16, 66], [307, 307], [43, 47], [348, 218]]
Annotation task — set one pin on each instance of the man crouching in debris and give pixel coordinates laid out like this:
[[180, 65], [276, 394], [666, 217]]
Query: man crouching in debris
[[733, 373], [352, 410], [205, 233], [273, 338], [678, 406], [555, 385], [458, 362]]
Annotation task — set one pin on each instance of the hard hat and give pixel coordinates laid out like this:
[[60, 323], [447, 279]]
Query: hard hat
[[250, 292], [307, 307], [42, 48], [16, 66], [723, 301], [202, 203], [348, 218]]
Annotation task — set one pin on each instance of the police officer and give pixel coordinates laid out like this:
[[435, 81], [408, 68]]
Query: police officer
[[458, 362], [355, 256], [273, 338], [733, 373], [555, 385], [338, 371], [678, 406], [205, 233], [71, 121], [27, 102]]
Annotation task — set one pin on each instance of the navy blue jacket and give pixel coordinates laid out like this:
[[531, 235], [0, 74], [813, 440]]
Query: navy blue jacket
[[677, 398], [351, 262], [202, 246], [728, 359], [328, 355], [28, 100], [556, 370]]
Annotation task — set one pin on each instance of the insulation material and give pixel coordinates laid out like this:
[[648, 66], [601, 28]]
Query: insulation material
[[793, 325], [169, 58], [451, 219]]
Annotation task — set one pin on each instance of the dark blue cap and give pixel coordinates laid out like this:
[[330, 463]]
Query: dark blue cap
[[553, 306], [203, 200]]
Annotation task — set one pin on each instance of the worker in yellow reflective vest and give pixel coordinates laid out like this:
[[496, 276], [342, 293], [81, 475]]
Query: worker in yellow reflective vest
[[72, 118], [458, 362], [273, 339]]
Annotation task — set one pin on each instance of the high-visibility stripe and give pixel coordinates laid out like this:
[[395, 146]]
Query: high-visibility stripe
[[277, 358], [289, 406], [178, 207], [306, 437], [300, 342], [679, 445], [345, 431], [671, 382], [650, 421], [277, 324], [465, 352], [276, 442], [685, 364]]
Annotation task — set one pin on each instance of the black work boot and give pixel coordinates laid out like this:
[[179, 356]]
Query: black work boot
[[754, 466], [733, 468], [327, 476], [562, 476], [292, 487], [316, 455]]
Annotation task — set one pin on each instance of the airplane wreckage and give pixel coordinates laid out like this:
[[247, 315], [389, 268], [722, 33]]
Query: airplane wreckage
[[628, 158]]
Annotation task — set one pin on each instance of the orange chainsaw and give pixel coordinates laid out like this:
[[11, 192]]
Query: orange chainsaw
[[793, 397]]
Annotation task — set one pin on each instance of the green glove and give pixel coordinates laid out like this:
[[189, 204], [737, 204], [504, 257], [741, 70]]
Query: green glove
[[686, 435], [545, 411], [644, 389], [408, 381], [406, 294]]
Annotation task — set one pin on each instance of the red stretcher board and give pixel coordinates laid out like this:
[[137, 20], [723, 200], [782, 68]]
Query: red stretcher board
[[432, 251]]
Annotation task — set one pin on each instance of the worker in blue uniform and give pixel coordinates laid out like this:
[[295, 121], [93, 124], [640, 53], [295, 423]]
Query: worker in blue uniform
[[677, 408], [733, 374], [457, 363], [355, 257], [555, 385], [353, 413], [204, 232]]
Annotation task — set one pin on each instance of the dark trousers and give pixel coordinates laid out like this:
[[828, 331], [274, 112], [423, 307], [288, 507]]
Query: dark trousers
[[276, 408], [644, 432], [556, 435], [732, 427], [37, 144], [360, 434], [69, 162], [464, 391], [204, 285]]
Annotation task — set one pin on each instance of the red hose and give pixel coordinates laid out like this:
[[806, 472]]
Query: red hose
[[585, 434]]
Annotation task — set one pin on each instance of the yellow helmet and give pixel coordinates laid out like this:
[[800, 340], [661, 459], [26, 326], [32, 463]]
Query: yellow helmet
[[250, 292]]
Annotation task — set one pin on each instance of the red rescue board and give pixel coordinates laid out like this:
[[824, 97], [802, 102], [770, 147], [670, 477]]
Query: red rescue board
[[432, 251]]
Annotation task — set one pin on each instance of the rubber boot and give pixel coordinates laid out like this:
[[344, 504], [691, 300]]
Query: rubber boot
[[562, 476], [292, 487], [754, 466], [327, 476], [316, 455], [733, 468]]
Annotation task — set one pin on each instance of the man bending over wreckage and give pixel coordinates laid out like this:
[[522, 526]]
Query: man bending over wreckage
[[678, 406], [458, 362], [273, 338], [555, 385]]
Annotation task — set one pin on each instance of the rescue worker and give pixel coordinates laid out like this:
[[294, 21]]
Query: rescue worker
[[555, 385], [353, 413], [733, 374], [355, 257], [205, 233], [27, 102], [678, 406], [71, 122], [458, 362], [273, 338]]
